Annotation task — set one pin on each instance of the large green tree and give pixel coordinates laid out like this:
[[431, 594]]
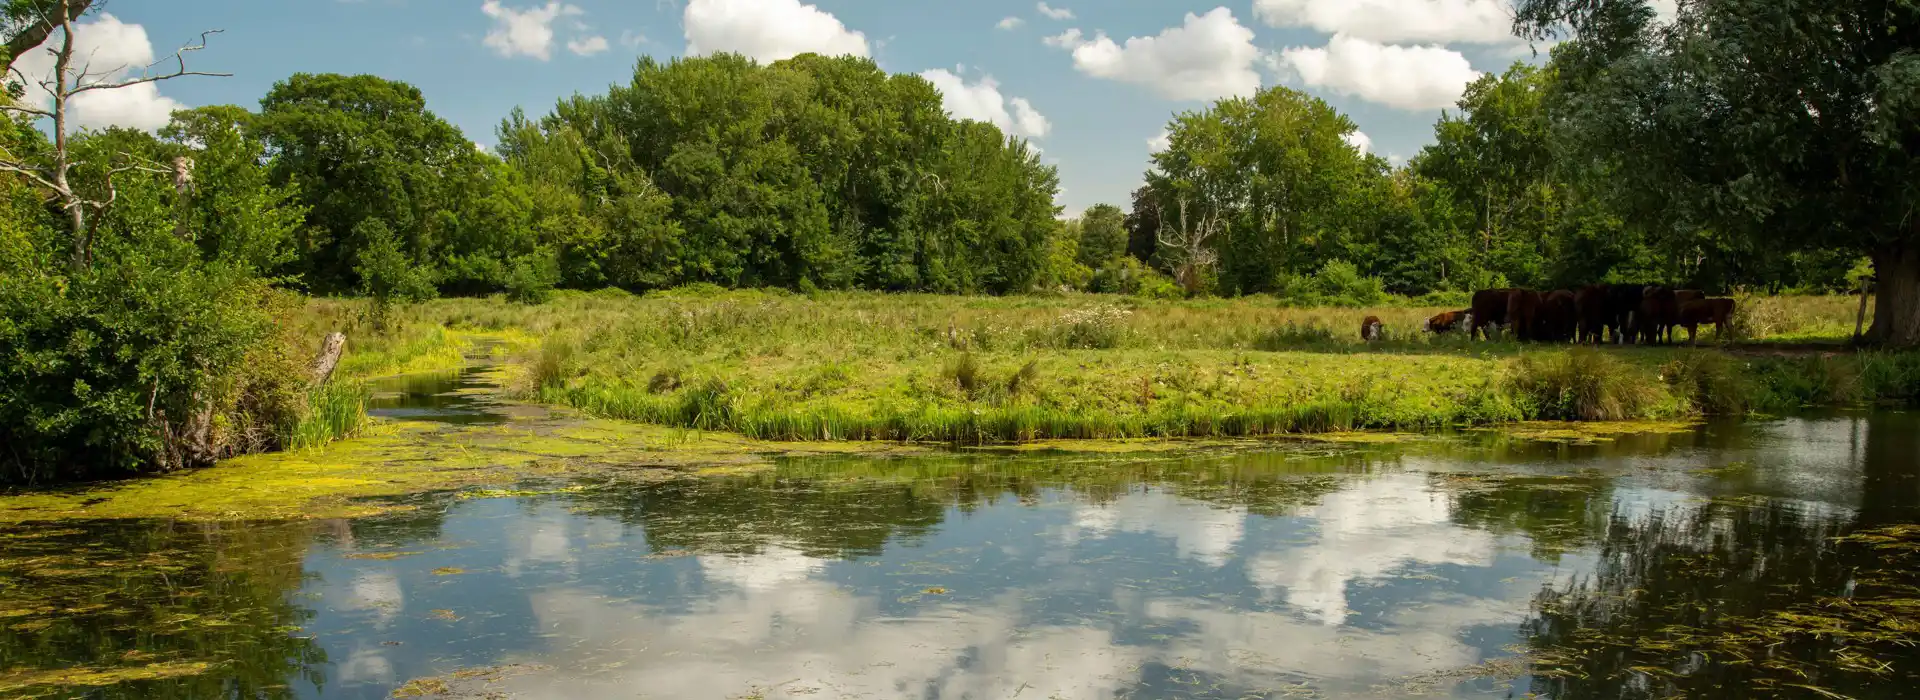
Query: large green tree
[[1775, 124], [363, 148], [809, 172], [1256, 184], [1103, 235]]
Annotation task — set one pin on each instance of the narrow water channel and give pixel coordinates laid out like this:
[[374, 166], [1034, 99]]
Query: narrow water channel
[[1691, 564]]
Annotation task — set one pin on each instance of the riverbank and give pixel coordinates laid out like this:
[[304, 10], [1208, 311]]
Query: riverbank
[[916, 368]]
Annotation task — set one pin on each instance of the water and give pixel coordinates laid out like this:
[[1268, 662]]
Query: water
[[460, 397], [1457, 567]]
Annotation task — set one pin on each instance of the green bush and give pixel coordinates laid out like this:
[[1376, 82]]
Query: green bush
[[107, 372]]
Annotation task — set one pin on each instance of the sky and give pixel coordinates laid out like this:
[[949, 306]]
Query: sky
[[1092, 84]]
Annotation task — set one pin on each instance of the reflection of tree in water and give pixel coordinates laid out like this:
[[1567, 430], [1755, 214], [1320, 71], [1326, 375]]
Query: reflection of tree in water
[[206, 609], [1557, 515], [854, 507], [1732, 599]]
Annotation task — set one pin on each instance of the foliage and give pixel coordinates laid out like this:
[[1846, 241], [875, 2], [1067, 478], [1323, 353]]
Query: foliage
[[1745, 149]]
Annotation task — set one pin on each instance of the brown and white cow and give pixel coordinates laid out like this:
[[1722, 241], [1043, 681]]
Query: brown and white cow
[[1449, 321], [1370, 328]]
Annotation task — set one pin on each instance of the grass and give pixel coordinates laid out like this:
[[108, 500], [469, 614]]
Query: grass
[[774, 365]]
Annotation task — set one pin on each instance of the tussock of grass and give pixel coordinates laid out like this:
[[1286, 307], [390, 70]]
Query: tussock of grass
[[336, 410], [1582, 384]]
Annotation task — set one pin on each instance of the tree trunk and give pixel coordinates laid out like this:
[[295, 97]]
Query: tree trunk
[[335, 344], [1896, 309], [1860, 317]]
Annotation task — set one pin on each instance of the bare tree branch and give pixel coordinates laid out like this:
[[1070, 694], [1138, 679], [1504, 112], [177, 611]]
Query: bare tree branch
[[23, 109], [38, 176], [180, 70], [36, 33]]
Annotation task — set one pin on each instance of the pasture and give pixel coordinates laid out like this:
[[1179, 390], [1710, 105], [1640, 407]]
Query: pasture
[[837, 366]]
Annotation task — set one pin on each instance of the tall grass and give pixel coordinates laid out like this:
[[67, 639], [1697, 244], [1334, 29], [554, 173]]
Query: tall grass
[[841, 365], [1582, 384], [335, 410]]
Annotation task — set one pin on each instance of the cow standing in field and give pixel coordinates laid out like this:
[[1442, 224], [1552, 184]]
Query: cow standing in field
[[1590, 304], [1449, 321], [1622, 306], [1489, 309], [1557, 318], [1370, 328], [1523, 311], [1696, 313], [1659, 312]]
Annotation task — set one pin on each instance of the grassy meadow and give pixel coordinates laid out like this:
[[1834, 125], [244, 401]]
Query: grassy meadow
[[867, 366]]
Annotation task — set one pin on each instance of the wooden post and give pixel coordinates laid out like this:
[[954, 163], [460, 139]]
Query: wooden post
[[1860, 318]]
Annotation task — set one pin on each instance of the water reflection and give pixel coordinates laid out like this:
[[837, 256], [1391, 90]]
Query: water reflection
[[454, 396], [1454, 568]]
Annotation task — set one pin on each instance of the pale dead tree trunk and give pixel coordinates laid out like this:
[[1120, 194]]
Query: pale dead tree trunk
[[331, 348], [1190, 241], [54, 174]]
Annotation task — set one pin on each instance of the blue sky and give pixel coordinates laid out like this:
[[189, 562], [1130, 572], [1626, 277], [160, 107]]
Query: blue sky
[[1095, 81]]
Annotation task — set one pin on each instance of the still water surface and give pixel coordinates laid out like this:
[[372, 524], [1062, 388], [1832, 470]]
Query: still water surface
[[1458, 567]]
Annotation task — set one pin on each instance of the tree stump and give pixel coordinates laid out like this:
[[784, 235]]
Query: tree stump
[[331, 348]]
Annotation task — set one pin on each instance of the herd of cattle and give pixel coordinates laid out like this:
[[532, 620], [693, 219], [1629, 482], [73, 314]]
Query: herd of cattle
[[1616, 313]]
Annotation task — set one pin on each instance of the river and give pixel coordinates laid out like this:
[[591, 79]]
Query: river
[[1739, 560]]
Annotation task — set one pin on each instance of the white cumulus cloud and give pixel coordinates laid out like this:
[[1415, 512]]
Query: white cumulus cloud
[[1209, 57], [527, 32], [1404, 77], [108, 51], [1442, 21], [1055, 12], [1160, 142], [767, 30], [1011, 23], [982, 101], [1360, 141], [588, 46]]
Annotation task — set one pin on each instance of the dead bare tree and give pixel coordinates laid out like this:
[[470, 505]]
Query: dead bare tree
[[67, 82], [1191, 243]]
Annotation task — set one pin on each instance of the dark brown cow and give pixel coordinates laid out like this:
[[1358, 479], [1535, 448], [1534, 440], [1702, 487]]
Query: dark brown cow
[[1489, 309], [1523, 311], [1623, 304], [1659, 311], [1682, 296], [1449, 321], [1696, 313], [1557, 318], [1370, 328], [1590, 303]]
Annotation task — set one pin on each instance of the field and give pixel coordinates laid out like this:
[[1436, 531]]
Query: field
[[840, 366]]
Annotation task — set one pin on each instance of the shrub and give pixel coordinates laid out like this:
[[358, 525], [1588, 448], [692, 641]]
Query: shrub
[[1580, 384], [116, 369], [1338, 283], [1127, 275], [530, 279]]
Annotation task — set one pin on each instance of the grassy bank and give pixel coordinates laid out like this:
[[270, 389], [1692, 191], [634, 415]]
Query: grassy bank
[[862, 366]]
